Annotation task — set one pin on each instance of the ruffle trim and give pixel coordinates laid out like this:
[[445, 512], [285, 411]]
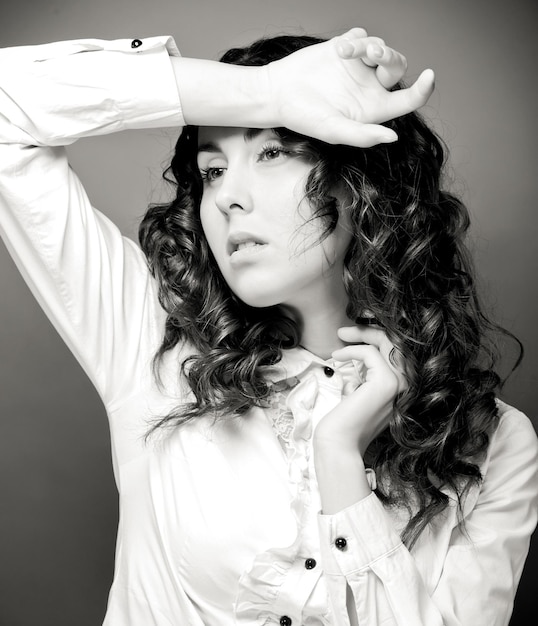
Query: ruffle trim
[[258, 597]]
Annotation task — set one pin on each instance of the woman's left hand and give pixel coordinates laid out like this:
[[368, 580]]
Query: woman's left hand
[[361, 416], [336, 91]]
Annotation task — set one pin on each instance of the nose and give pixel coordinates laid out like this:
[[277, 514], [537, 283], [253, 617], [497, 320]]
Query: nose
[[234, 191]]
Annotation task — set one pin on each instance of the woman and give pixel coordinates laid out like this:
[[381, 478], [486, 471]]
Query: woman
[[319, 343]]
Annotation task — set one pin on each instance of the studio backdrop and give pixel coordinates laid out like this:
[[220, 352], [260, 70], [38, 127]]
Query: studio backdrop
[[58, 512]]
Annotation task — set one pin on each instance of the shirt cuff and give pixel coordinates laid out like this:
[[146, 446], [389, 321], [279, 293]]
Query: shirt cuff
[[147, 93], [356, 536], [56, 93]]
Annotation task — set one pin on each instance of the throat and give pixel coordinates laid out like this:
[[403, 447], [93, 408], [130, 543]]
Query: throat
[[319, 334]]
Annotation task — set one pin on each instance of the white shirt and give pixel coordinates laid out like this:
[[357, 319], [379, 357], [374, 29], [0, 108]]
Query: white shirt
[[220, 524]]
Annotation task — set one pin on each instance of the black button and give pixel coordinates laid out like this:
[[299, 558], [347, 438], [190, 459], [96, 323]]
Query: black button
[[285, 621], [136, 43], [340, 543], [310, 563], [328, 371]]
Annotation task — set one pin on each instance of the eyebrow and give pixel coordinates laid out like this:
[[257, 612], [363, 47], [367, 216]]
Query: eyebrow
[[248, 135]]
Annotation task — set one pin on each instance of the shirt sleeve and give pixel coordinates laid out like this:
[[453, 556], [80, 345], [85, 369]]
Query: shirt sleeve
[[477, 572], [92, 282]]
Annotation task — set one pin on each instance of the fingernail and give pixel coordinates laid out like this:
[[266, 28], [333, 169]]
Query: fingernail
[[376, 51], [345, 48], [388, 138], [426, 82]]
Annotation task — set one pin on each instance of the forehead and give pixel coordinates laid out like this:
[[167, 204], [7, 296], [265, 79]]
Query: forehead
[[210, 138]]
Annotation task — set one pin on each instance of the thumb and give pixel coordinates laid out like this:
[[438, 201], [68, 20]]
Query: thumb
[[411, 98], [341, 130]]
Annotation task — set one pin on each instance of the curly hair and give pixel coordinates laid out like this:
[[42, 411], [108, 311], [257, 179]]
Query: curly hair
[[407, 265]]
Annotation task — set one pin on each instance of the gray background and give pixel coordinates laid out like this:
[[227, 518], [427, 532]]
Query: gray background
[[58, 502]]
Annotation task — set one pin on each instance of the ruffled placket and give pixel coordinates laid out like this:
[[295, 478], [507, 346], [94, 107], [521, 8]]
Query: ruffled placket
[[288, 581]]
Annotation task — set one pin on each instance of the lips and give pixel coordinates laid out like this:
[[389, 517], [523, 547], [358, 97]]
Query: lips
[[240, 241]]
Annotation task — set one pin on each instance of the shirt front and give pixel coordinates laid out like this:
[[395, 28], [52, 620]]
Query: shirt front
[[250, 539], [220, 522]]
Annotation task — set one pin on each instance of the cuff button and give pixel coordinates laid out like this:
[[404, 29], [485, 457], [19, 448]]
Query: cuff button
[[340, 543]]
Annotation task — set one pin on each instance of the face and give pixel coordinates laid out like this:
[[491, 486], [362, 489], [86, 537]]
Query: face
[[258, 224]]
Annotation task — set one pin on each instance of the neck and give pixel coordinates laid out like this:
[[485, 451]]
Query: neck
[[320, 321]]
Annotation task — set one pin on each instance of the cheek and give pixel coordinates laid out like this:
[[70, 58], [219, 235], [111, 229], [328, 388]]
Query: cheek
[[307, 236], [210, 224], [294, 224], [333, 247], [204, 219]]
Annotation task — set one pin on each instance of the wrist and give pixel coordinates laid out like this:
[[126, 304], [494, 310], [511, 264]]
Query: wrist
[[329, 443], [342, 479], [330, 453], [221, 94]]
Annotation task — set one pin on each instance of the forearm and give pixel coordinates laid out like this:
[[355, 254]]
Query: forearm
[[318, 91], [220, 94], [341, 477]]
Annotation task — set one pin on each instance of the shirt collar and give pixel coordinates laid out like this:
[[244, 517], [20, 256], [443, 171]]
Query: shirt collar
[[294, 362]]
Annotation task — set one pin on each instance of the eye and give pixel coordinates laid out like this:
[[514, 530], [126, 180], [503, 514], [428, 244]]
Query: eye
[[272, 152], [212, 173]]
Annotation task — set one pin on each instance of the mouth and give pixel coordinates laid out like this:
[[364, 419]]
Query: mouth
[[243, 243]]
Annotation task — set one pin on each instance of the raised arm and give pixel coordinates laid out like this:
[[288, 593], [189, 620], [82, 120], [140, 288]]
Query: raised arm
[[84, 274], [335, 91], [92, 283]]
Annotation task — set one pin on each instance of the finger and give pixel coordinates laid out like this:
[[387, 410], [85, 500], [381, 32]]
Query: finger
[[391, 65], [349, 47], [357, 32], [345, 43], [376, 359], [366, 334], [376, 336], [374, 365], [373, 54], [411, 98], [373, 50], [369, 355], [341, 130]]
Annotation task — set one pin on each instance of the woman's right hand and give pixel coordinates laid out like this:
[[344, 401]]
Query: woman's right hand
[[343, 435], [363, 414], [337, 91]]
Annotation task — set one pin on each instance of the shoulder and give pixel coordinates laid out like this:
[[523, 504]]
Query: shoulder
[[515, 435], [510, 470]]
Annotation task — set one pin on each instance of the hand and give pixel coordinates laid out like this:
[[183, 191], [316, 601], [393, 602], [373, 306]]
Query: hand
[[390, 66], [330, 90], [365, 413]]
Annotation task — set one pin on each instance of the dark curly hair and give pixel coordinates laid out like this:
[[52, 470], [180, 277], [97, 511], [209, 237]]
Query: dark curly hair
[[407, 265]]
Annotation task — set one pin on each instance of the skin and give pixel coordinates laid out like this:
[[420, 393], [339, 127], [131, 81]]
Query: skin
[[252, 192], [253, 189], [337, 92]]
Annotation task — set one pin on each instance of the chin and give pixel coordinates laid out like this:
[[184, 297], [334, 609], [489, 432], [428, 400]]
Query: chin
[[259, 299]]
